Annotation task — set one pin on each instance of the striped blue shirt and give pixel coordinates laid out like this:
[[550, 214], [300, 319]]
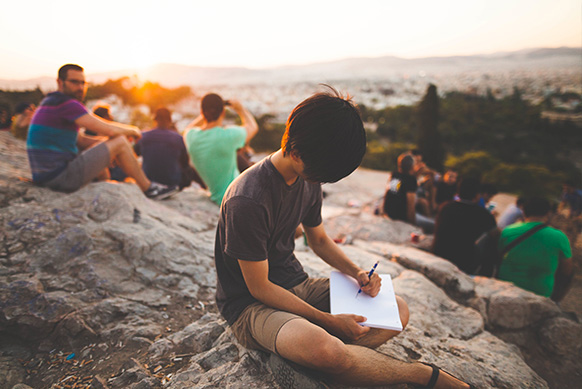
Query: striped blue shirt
[[52, 136]]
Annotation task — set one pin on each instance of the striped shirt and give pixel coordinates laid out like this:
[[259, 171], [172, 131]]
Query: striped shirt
[[52, 136]]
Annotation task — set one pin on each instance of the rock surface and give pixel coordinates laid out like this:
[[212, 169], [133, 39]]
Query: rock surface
[[91, 294]]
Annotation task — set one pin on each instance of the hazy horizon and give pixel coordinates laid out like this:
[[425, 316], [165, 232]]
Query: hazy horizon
[[39, 37], [130, 71]]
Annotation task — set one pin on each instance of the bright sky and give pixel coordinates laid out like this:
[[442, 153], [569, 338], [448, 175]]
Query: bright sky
[[37, 37]]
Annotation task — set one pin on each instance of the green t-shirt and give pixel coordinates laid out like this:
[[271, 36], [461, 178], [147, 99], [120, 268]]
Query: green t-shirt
[[532, 264], [213, 154]]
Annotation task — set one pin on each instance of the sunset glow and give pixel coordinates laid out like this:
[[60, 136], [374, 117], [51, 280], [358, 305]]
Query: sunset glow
[[108, 35]]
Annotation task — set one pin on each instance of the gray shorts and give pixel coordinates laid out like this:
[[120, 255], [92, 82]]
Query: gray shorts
[[81, 170]]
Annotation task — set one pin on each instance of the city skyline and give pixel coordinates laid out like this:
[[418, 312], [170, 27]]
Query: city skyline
[[39, 37]]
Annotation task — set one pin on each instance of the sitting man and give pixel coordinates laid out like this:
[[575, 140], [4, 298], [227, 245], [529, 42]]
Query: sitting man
[[213, 148], [54, 141], [459, 224], [262, 290], [165, 159], [541, 263], [400, 197]]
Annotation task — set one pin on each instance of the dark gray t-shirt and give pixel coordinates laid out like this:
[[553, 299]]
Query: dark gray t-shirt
[[258, 218]]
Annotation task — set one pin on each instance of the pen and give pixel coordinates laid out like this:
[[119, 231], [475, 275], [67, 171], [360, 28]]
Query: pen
[[369, 275]]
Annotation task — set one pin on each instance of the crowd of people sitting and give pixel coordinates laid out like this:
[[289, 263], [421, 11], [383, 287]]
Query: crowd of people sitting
[[69, 146], [261, 286], [460, 213]]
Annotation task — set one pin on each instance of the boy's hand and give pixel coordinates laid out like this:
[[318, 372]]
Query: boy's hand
[[370, 286], [346, 326]]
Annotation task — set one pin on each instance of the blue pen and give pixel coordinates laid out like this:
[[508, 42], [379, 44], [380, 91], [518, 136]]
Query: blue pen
[[369, 275]]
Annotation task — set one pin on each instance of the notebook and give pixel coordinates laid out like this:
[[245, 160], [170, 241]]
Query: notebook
[[380, 311]]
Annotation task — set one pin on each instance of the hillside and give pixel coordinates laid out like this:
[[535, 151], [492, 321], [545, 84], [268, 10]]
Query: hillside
[[107, 289], [386, 67]]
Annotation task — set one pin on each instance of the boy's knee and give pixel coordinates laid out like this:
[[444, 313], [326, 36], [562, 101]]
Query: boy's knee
[[117, 145], [403, 311], [331, 356]]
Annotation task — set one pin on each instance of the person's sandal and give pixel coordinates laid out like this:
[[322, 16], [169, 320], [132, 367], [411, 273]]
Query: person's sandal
[[435, 376]]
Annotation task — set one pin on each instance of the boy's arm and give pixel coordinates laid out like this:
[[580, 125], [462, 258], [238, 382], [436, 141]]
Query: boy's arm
[[84, 142], [563, 279], [107, 128], [330, 252], [256, 273], [248, 120], [194, 123]]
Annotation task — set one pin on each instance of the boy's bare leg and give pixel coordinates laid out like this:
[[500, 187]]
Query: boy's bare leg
[[309, 345], [354, 364], [121, 152]]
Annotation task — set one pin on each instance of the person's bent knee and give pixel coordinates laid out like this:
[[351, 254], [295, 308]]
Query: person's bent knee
[[117, 144], [331, 356], [403, 311]]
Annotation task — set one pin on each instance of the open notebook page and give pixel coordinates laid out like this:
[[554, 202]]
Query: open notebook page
[[381, 311]]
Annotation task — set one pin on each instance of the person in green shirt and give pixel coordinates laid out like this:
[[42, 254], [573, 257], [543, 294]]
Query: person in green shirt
[[541, 263], [213, 147]]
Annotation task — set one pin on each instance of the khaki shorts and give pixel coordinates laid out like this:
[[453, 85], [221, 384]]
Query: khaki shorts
[[81, 170], [258, 325]]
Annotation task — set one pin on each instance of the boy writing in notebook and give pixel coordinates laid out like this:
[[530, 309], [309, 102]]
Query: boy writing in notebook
[[263, 292]]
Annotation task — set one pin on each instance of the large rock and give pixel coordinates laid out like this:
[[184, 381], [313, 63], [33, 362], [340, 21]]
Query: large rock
[[526, 308], [114, 290], [442, 272]]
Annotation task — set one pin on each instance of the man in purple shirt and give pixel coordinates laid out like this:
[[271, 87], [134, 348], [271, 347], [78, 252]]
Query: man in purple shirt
[[54, 141]]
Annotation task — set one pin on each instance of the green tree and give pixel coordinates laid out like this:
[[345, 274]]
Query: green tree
[[526, 180], [429, 140], [382, 156], [268, 138], [149, 93], [472, 164]]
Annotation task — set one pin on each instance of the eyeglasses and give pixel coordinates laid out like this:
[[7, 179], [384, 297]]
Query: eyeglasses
[[78, 82]]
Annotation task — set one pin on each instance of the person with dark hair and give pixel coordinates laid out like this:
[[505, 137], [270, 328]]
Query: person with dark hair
[[213, 147], [54, 141], [512, 214], [459, 223], [400, 196], [263, 292], [165, 159], [21, 120], [542, 262]]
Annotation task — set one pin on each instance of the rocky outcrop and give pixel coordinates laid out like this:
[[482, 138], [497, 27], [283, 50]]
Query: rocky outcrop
[[107, 289]]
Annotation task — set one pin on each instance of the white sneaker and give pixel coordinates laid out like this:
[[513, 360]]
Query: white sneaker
[[158, 191]]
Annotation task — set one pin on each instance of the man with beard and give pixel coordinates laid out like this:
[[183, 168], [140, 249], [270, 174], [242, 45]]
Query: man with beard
[[54, 141]]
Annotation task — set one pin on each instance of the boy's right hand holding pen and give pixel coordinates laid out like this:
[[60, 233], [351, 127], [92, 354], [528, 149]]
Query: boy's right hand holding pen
[[369, 285]]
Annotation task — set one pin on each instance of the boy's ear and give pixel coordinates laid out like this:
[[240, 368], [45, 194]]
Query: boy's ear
[[295, 156]]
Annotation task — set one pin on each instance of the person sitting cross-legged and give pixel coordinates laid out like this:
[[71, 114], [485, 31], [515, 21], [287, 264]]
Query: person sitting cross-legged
[[263, 292], [54, 141]]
